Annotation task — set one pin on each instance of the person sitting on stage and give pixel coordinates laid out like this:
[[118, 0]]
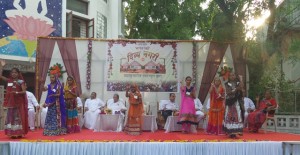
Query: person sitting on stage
[[32, 102], [116, 105], [266, 106], [168, 107], [92, 107], [249, 107], [199, 109], [79, 109]]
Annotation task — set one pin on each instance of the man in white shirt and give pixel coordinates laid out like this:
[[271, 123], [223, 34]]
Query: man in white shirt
[[92, 107], [167, 107], [116, 105], [249, 107], [80, 112], [32, 102], [199, 109]]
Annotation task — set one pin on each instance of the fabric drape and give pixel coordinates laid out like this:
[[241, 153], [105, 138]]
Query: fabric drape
[[214, 57], [239, 60], [43, 62], [69, 55]]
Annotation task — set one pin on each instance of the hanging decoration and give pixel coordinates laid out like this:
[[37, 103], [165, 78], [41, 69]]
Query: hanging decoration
[[194, 60], [56, 69], [88, 65]]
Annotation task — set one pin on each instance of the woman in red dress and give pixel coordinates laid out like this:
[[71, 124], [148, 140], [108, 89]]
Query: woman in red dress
[[135, 112], [217, 108], [16, 123], [257, 118]]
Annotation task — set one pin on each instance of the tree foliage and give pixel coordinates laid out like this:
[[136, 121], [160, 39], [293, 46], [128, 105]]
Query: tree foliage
[[161, 19]]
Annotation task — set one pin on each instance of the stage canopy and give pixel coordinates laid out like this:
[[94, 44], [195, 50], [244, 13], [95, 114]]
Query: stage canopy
[[156, 66]]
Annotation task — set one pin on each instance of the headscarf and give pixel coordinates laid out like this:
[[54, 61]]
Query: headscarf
[[67, 86]]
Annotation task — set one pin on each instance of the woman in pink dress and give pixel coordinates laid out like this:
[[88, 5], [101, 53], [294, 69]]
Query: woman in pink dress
[[187, 112]]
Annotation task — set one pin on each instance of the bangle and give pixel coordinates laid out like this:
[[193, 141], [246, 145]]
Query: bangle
[[17, 92]]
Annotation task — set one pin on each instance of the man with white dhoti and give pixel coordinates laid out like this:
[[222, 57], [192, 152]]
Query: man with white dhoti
[[249, 107], [116, 105], [80, 112], [92, 107], [199, 109], [32, 102]]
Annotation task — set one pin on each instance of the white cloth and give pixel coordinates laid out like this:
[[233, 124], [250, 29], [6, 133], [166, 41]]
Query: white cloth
[[32, 102], [248, 104], [147, 148], [43, 116], [109, 123], [199, 108], [207, 104], [115, 106], [79, 102], [80, 113], [90, 116], [167, 105]]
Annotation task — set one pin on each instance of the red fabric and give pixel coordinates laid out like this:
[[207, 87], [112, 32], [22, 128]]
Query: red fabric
[[258, 117], [18, 101], [87, 135], [216, 112]]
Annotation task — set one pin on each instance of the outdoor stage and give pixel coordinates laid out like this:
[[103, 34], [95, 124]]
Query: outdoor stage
[[89, 142]]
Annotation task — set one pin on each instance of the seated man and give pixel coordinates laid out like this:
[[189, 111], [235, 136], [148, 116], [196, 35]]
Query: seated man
[[116, 105], [79, 108], [249, 107], [32, 102], [199, 109], [92, 107], [166, 109]]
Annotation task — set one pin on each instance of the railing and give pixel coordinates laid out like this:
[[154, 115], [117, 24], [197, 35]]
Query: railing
[[288, 102]]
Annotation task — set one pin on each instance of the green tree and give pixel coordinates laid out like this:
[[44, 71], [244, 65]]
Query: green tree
[[161, 19]]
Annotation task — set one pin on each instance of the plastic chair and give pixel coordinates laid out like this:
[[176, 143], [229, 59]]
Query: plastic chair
[[271, 118]]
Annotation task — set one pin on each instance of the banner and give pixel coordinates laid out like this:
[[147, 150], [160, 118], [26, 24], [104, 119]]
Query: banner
[[150, 65]]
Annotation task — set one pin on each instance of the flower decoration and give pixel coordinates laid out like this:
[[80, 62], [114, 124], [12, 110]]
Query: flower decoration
[[225, 72], [56, 69], [108, 111], [88, 65]]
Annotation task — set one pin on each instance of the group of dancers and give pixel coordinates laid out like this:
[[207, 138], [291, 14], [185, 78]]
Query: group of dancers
[[226, 113]]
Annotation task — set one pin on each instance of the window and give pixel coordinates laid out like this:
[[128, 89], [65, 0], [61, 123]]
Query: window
[[78, 27], [80, 6], [101, 31]]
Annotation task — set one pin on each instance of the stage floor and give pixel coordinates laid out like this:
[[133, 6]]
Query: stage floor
[[159, 136]]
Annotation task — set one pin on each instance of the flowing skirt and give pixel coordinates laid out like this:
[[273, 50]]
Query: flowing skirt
[[13, 123], [255, 120], [215, 120], [53, 125], [72, 116], [233, 121], [134, 120], [187, 114]]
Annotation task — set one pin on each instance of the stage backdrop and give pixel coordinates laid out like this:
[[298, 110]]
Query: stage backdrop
[[157, 67], [150, 65]]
